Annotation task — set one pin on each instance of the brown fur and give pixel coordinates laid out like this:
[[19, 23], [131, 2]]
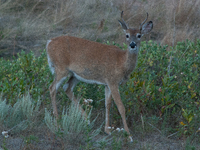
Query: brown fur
[[88, 56], [94, 62]]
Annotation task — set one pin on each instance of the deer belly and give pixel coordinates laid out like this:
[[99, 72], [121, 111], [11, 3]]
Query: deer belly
[[90, 81]]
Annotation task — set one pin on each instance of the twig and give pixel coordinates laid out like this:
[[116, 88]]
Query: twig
[[154, 127], [22, 47], [172, 134], [142, 121], [17, 125], [184, 52], [14, 46], [174, 34], [101, 99]]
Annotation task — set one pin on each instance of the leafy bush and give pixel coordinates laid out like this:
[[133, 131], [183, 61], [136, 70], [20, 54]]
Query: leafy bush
[[25, 73], [163, 86], [166, 84]]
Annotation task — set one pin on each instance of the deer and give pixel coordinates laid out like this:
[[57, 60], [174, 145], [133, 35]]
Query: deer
[[95, 63]]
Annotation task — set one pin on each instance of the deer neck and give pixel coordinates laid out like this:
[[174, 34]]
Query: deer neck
[[131, 60]]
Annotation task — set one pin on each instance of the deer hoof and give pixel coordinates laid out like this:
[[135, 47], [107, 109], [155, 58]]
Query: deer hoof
[[108, 130], [130, 139]]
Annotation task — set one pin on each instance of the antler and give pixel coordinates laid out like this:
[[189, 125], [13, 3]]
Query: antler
[[123, 23], [143, 22], [122, 17]]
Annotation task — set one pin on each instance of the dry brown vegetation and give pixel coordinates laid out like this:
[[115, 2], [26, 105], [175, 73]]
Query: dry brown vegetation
[[26, 24]]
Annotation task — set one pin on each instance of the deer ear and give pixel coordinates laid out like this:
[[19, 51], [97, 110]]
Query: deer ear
[[147, 27]]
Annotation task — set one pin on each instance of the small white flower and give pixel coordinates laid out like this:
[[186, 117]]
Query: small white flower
[[122, 129], [118, 129], [90, 100], [113, 128], [5, 134], [109, 127], [85, 100], [181, 72]]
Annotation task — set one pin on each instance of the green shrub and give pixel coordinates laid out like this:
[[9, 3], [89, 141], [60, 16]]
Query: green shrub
[[25, 73], [74, 128], [19, 116], [156, 89], [164, 85]]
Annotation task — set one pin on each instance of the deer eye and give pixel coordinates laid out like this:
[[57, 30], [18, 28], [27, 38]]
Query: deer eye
[[127, 36], [139, 36]]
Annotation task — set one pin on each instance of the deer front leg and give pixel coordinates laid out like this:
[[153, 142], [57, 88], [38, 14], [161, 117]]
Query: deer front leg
[[107, 105], [117, 99]]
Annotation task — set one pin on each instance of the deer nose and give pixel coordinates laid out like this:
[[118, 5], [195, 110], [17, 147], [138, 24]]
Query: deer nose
[[132, 45]]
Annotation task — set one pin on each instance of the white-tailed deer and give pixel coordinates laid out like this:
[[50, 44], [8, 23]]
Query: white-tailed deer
[[93, 62]]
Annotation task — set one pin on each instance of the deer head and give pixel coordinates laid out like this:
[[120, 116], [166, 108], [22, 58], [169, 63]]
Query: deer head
[[133, 35]]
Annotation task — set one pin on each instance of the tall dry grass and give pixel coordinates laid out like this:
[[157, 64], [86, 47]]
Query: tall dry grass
[[27, 24]]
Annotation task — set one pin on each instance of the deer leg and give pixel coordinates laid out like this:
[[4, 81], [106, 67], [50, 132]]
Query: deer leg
[[117, 99], [108, 101], [68, 88], [52, 90], [59, 78]]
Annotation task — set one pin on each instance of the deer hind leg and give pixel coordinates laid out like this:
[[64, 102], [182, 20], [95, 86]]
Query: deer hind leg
[[117, 99], [68, 88], [108, 101], [58, 80]]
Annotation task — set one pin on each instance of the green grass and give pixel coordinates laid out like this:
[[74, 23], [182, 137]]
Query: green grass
[[21, 115]]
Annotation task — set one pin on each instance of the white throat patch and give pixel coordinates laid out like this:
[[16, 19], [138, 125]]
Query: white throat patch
[[133, 50]]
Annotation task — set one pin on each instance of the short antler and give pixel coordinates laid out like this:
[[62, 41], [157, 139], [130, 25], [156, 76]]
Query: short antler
[[143, 22], [123, 23], [122, 17]]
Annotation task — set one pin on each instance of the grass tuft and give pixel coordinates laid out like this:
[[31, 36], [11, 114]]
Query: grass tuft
[[20, 116], [75, 129]]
